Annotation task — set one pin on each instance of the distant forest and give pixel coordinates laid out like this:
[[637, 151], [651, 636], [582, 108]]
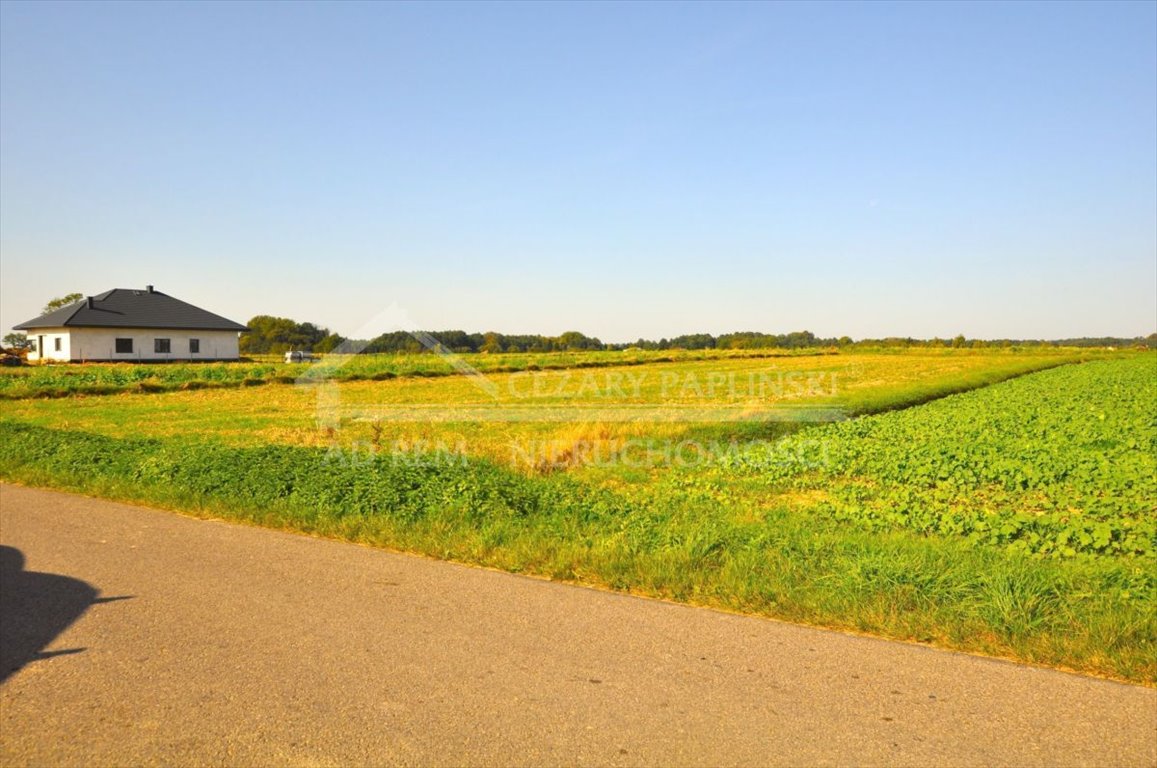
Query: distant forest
[[278, 334]]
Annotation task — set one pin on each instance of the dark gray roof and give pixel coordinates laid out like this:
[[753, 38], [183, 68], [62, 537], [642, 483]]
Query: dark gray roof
[[132, 308]]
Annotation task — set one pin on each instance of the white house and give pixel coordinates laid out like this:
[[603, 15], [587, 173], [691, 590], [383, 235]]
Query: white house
[[128, 325]]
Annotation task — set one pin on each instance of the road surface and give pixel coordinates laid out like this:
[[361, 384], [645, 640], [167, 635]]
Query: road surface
[[135, 636]]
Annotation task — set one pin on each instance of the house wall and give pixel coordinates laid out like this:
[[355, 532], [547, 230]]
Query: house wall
[[48, 336], [80, 344]]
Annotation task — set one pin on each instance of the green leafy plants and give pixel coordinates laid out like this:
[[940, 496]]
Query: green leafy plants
[[1059, 463]]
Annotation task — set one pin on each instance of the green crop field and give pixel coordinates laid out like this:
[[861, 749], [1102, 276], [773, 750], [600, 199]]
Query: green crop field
[[1059, 463], [986, 500]]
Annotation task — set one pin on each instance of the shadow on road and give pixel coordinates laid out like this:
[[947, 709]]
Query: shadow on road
[[34, 609]]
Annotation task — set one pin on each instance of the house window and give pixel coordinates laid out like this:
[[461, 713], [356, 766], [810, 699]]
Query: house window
[[56, 344], [124, 346], [161, 346], [194, 346]]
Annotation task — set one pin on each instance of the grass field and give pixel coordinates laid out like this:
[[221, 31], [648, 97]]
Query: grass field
[[1015, 518], [549, 410], [63, 380]]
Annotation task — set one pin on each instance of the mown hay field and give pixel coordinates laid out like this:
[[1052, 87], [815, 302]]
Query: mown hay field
[[502, 415]]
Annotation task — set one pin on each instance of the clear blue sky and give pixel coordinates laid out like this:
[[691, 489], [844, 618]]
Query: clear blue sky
[[625, 170]]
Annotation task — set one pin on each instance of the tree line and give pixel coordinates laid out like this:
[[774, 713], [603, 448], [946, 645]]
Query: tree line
[[275, 335]]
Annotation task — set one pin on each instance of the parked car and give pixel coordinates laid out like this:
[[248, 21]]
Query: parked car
[[298, 356]]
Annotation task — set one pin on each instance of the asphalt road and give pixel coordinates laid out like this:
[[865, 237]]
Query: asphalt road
[[145, 637]]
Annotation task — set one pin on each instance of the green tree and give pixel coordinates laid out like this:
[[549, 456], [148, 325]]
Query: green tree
[[62, 301], [328, 344], [573, 340], [491, 342], [275, 335], [16, 341]]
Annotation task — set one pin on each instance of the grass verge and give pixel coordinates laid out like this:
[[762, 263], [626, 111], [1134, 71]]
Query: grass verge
[[1091, 614]]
